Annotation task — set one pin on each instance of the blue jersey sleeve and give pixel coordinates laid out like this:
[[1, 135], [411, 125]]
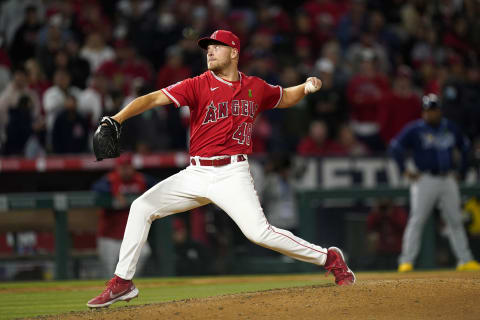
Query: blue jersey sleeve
[[400, 144]]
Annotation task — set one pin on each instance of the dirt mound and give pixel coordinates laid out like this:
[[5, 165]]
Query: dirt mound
[[420, 295]]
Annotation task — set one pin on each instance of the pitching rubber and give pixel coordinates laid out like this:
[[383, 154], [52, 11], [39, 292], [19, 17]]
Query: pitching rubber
[[341, 253], [126, 297]]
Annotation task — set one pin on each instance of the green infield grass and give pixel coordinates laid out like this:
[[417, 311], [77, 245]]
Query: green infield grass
[[30, 299]]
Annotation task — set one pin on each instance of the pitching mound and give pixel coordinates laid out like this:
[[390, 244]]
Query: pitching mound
[[419, 295]]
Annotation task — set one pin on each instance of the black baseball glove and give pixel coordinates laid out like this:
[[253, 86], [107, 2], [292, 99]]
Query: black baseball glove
[[106, 139]]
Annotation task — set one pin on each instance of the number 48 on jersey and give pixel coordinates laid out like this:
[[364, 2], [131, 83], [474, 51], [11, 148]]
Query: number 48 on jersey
[[243, 134]]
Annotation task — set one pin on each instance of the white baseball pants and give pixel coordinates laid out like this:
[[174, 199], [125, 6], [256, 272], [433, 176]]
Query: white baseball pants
[[231, 188]]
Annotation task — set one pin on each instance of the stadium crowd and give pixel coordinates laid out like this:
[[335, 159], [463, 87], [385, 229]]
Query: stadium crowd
[[64, 64]]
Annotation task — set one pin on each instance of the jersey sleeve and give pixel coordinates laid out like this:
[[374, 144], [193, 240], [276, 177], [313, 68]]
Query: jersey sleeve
[[272, 95], [181, 93], [400, 144]]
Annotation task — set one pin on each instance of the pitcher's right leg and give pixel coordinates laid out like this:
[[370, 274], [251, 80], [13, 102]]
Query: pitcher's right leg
[[178, 193]]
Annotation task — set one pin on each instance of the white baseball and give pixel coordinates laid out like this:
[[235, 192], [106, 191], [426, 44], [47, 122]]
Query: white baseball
[[310, 88]]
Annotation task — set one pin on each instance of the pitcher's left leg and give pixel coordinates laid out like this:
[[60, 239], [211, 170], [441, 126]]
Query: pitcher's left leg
[[234, 192]]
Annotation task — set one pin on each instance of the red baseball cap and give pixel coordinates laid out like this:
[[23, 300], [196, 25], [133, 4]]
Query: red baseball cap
[[221, 36]]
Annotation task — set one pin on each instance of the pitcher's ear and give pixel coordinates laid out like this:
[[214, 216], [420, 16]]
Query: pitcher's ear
[[234, 53]]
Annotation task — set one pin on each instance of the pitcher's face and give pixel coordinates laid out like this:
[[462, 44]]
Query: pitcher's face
[[219, 57]]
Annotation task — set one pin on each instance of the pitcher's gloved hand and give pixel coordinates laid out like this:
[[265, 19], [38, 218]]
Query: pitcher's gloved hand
[[106, 139]]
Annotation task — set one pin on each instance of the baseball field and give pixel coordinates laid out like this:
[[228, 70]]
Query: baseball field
[[417, 295]]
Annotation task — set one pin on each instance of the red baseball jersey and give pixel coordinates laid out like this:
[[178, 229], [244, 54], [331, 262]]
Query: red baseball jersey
[[222, 112]]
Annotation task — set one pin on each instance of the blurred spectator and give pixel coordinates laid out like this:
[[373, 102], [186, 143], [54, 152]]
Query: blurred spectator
[[192, 57], [331, 51], [54, 28], [262, 132], [457, 37], [54, 97], [349, 144], [132, 19], [24, 41], [134, 11], [262, 64], [95, 51], [427, 47], [326, 10], [352, 23], [304, 27], [412, 13], [10, 99], [78, 67], [123, 182], [47, 52], [278, 194], [355, 54], [95, 101], [12, 15], [385, 36], [304, 55], [296, 120], [37, 80], [5, 64], [365, 91], [452, 92], [191, 257], [329, 103], [437, 81], [70, 129], [91, 19], [156, 129], [399, 106], [125, 67], [19, 127], [174, 69], [385, 224], [261, 43], [471, 96], [318, 143]]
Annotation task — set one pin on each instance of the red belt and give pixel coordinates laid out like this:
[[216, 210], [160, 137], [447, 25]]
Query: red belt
[[216, 162]]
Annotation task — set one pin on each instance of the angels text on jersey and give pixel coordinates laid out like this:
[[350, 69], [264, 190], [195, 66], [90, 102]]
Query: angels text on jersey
[[221, 110]]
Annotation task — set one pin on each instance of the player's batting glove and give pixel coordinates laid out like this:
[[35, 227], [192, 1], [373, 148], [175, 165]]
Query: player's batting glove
[[106, 139], [312, 85]]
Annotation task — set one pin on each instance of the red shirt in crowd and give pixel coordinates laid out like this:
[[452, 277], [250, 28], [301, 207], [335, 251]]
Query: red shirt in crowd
[[364, 95], [112, 222], [309, 147], [124, 72], [395, 112], [168, 75]]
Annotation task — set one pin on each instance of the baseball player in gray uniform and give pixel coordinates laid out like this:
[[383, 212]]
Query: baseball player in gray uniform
[[432, 141]]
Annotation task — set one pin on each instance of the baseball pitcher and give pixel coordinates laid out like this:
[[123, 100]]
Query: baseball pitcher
[[223, 105]]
